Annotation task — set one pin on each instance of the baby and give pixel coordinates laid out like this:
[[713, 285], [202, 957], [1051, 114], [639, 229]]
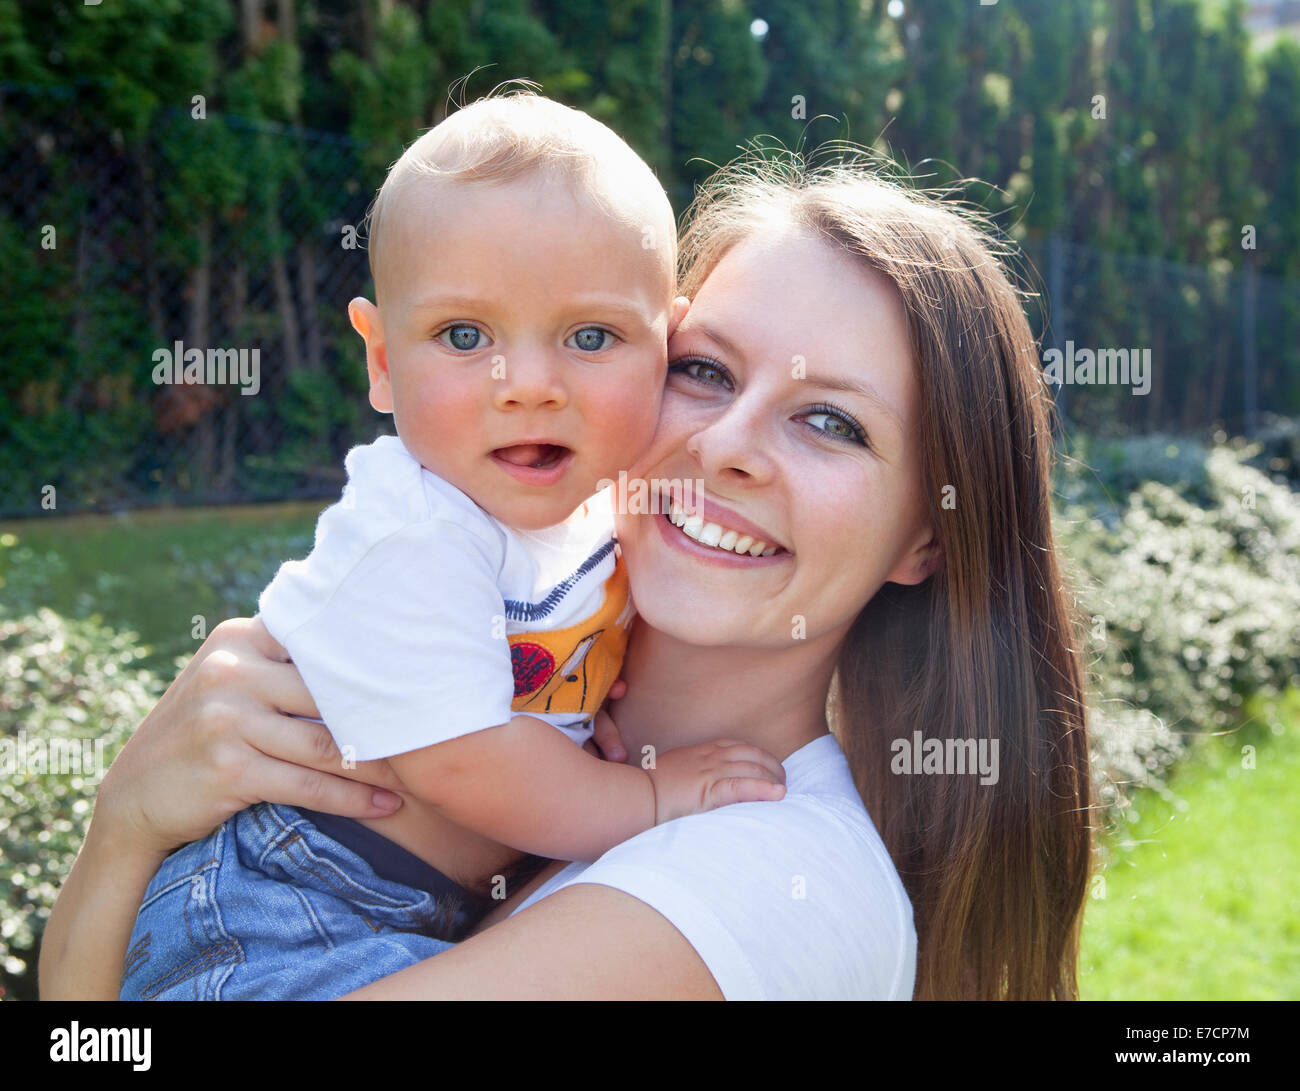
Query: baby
[[464, 610]]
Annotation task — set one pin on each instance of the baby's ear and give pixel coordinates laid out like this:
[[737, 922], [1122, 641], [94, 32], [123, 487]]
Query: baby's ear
[[677, 312], [364, 317]]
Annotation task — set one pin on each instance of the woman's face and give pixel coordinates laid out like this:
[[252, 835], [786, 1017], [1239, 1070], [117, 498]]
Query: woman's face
[[791, 396]]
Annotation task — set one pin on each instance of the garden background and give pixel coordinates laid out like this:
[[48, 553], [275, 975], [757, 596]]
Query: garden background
[[198, 171]]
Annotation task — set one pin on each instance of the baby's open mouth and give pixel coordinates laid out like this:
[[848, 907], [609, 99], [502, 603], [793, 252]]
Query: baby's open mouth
[[537, 456]]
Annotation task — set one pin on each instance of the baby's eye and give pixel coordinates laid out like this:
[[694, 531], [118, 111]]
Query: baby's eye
[[591, 339], [463, 338]]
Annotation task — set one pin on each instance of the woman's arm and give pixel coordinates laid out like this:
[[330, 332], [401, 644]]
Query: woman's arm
[[222, 737], [85, 939], [584, 942]]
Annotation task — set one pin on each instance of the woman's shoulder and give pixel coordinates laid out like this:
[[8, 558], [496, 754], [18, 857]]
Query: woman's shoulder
[[796, 899]]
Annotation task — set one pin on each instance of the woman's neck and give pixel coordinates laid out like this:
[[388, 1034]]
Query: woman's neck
[[681, 694]]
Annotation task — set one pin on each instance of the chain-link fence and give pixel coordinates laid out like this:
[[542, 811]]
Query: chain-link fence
[[1142, 345], [174, 315]]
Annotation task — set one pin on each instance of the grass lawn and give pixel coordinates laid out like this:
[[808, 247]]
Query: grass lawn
[[1202, 892], [153, 572]]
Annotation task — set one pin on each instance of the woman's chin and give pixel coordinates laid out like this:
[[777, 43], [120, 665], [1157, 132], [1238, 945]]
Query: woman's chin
[[691, 621], [681, 604]]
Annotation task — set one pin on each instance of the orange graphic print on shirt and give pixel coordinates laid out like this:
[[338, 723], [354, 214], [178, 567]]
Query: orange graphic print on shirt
[[571, 670]]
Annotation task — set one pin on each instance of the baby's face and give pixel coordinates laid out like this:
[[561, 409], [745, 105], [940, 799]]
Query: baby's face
[[523, 342]]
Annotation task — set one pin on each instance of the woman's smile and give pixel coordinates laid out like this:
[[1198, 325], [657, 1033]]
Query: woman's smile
[[710, 524], [704, 540]]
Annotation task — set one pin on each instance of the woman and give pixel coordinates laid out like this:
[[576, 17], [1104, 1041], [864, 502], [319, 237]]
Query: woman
[[855, 379]]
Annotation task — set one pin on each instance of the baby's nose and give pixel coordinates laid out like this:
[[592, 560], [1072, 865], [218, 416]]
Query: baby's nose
[[528, 379]]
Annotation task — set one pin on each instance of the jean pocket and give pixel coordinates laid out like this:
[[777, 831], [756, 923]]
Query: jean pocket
[[334, 881], [180, 947]]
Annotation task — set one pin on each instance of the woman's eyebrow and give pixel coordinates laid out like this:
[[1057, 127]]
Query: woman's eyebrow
[[827, 382], [727, 345], [856, 386]]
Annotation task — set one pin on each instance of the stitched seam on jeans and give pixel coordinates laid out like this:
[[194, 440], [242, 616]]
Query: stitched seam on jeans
[[228, 952], [207, 915], [343, 885], [204, 914], [180, 880], [425, 915], [316, 922], [338, 881], [137, 956]]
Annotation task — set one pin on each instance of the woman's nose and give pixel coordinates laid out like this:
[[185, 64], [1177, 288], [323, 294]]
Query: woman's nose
[[734, 445], [527, 379]]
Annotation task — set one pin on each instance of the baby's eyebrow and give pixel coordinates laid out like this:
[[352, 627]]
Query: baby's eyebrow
[[458, 302], [616, 306], [576, 309]]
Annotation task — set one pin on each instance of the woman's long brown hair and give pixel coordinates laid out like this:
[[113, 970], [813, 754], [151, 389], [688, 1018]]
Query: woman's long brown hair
[[985, 648]]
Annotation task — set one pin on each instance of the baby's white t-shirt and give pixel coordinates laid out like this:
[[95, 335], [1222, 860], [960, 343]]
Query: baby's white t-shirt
[[419, 618], [789, 900]]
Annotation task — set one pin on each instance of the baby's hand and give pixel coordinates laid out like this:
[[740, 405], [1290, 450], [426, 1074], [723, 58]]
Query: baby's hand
[[693, 779]]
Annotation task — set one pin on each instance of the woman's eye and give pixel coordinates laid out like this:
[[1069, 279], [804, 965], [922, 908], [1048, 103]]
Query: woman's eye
[[702, 371], [837, 425], [592, 339], [463, 338]]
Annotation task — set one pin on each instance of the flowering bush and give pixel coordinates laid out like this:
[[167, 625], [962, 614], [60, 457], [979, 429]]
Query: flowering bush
[[1187, 572], [71, 692]]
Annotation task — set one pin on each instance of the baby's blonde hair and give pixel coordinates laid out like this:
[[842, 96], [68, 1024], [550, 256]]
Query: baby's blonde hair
[[509, 135]]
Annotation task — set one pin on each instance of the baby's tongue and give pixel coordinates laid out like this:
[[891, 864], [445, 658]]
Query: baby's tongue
[[526, 454]]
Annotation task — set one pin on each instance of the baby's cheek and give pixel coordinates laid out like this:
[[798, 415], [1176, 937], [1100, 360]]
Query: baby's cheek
[[440, 419], [627, 423]]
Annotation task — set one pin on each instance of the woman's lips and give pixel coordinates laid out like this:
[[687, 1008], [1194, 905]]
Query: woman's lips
[[674, 537], [534, 463], [712, 522]]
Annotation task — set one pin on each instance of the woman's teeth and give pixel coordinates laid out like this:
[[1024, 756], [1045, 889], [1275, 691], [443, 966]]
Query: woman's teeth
[[710, 534]]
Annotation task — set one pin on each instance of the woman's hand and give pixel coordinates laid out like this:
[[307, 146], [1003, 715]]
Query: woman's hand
[[223, 737], [605, 741]]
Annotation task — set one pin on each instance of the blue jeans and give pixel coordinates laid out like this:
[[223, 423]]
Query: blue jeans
[[268, 907]]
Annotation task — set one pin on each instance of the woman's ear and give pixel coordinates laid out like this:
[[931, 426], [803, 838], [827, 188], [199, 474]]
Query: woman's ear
[[933, 561], [920, 563], [364, 317]]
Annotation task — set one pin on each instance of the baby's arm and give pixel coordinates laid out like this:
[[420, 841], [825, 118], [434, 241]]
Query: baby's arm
[[393, 622], [526, 785]]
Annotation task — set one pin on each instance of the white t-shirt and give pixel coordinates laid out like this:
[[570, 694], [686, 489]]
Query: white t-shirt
[[790, 900], [419, 618]]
